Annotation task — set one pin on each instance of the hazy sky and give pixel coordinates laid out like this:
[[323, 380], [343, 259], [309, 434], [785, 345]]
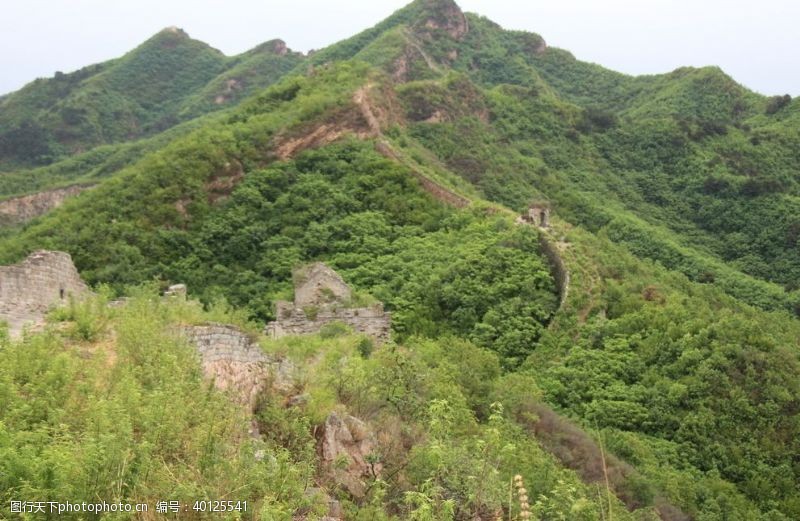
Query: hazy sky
[[758, 43]]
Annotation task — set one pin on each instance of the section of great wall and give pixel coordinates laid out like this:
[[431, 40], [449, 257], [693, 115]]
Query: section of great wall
[[236, 363], [321, 297], [30, 288], [538, 215]]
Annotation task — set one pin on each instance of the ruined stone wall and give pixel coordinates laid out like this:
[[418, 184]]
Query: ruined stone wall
[[237, 364], [372, 321], [317, 285], [21, 209], [30, 288], [558, 269], [439, 192]]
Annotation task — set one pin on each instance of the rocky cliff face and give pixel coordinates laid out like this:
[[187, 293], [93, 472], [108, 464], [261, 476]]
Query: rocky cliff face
[[30, 288], [21, 209], [350, 440]]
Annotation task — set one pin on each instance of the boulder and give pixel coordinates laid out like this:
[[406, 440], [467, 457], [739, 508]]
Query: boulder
[[347, 445]]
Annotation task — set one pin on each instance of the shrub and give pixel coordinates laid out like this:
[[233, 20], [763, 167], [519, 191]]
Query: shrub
[[595, 119], [334, 329], [365, 347], [776, 103], [311, 312]]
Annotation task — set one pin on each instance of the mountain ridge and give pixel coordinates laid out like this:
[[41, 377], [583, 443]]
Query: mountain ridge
[[674, 206], [167, 79]]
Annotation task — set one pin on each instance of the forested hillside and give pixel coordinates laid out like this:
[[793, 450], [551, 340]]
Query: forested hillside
[[636, 358], [168, 79]]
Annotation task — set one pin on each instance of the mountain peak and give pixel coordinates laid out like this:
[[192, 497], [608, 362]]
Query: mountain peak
[[168, 37], [443, 15], [276, 46], [172, 37], [173, 31]]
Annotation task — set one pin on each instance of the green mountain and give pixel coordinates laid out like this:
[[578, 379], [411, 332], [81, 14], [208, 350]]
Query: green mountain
[[168, 79], [637, 359]]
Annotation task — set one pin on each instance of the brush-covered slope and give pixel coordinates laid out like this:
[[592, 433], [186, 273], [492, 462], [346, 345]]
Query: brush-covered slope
[[167, 79], [207, 210], [691, 152], [675, 206], [110, 403], [246, 73]]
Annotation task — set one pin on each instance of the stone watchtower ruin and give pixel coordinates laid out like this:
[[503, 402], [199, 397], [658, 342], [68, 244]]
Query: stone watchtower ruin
[[28, 289], [322, 297], [318, 285], [538, 214]]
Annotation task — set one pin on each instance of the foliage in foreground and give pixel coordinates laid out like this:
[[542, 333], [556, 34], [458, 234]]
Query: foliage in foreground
[[128, 417]]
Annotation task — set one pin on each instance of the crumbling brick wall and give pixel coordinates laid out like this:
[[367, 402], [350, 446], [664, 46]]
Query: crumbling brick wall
[[372, 321], [236, 363], [322, 297], [28, 289]]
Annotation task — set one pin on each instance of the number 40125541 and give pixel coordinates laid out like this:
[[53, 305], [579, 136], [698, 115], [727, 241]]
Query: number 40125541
[[220, 506]]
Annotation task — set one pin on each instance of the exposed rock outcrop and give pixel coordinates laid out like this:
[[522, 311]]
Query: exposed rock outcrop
[[322, 297], [319, 135], [28, 289], [231, 86], [279, 47], [371, 110], [445, 15], [22, 209], [347, 447], [237, 364], [276, 46]]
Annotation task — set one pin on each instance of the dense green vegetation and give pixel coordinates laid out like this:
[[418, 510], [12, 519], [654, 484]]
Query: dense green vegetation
[[676, 203], [691, 150], [671, 371], [126, 416], [395, 241], [89, 167], [647, 182]]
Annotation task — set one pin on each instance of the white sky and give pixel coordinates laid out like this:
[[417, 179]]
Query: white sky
[[755, 42]]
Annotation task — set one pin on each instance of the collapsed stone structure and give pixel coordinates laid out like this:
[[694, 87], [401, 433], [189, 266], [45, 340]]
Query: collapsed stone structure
[[322, 297], [28, 289], [538, 214], [237, 364], [176, 291]]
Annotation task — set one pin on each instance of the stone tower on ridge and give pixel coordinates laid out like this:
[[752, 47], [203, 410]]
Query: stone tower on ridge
[[318, 285], [321, 297]]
